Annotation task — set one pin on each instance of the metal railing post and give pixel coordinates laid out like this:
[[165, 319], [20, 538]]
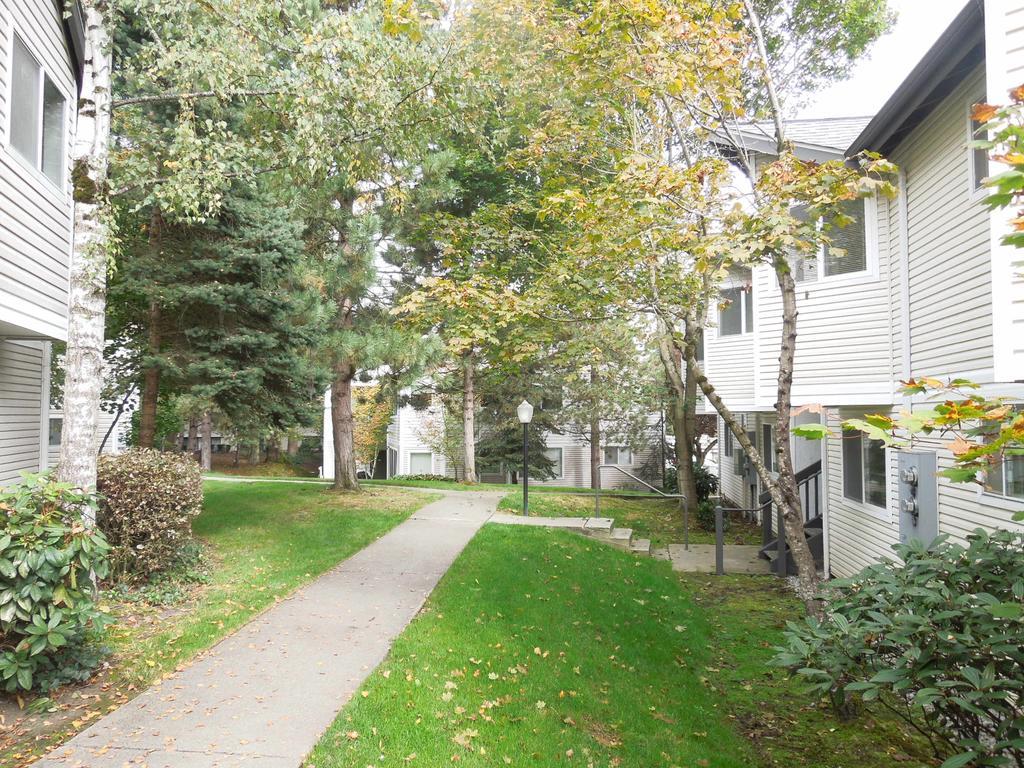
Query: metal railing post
[[780, 548], [719, 540]]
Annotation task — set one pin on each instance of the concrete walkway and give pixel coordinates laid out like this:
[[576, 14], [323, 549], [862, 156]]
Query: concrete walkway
[[263, 696]]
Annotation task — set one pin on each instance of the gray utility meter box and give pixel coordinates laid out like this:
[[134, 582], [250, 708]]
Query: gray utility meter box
[[918, 491]]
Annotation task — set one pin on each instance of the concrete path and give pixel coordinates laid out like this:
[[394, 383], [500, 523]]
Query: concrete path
[[263, 696], [700, 558]]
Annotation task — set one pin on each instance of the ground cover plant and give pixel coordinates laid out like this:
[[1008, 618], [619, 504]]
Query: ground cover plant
[[261, 541], [659, 520], [546, 648]]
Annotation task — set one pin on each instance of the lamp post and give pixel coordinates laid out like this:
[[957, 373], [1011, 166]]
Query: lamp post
[[525, 414]]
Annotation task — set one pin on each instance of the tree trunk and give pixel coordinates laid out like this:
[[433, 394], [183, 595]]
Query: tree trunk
[[87, 293], [792, 519], [206, 457], [150, 381], [293, 444], [682, 408], [343, 427], [595, 430], [274, 449], [193, 436], [468, 420], [235, 451]]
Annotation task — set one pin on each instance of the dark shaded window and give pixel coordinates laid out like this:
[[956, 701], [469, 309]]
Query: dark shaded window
[[848, 251], [864, 469], [56, 427], [37, 115], [737, 312]]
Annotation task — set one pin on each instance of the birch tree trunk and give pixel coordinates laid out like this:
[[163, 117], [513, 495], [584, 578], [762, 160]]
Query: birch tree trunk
[[206, 450], [469, 419], [682, 405], [88, 269]]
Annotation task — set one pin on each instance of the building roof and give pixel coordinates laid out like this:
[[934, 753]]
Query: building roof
[[955, 54], [817, 139]]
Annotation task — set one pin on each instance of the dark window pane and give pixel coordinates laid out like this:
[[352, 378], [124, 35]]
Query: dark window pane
[[25, 103], [853, 476], [727, 441], [848, 251], [874, 472], [768, 447], [1007, 479], [730, 319], [53, 132], [56, 426]]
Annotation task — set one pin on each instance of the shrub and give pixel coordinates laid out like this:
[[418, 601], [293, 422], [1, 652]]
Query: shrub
[[147, 501], [705, 479], [706, 515], [432, 478], [49, 559], [938, 640]]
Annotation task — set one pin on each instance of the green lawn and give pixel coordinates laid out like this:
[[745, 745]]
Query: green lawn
[[656, 519], [263, 540], [543, 648]]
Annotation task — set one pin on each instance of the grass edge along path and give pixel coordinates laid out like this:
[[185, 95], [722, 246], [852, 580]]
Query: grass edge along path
[[264, 541], [542, 648]]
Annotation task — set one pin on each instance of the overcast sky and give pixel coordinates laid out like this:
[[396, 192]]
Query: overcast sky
[[875, 77]]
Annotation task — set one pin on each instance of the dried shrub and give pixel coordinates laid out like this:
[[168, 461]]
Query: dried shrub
[[147, 501]]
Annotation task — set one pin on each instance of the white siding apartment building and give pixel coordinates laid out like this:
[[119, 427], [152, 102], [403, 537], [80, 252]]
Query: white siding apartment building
[[40, 65], [925, 288], [412, 441]]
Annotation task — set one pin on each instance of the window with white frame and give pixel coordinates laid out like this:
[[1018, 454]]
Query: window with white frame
[[736, 310], [849, 251], [554, 455], [37, 115], [864, 469], [727, 444], [617, 454], [977, 157]]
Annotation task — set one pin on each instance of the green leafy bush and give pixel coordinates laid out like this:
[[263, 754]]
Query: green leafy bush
[[147, 501], [937, 639], [706, 515], [49, 559], [431, 478]]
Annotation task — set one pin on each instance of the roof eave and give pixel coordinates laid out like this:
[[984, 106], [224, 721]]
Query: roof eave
[[73, 21]]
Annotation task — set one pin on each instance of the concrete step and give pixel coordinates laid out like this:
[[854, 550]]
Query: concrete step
[[640, 546], [598, 525], [621, 537], [661, 553]]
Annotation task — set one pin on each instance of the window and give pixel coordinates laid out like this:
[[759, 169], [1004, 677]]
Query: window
[[420, 463], [864, 469], [56, 427], [768, 446], [555, 455], [848, 252], [37, 115], [736, 315], [727, 445], [616, 454], [1007, 477], [977, 157]]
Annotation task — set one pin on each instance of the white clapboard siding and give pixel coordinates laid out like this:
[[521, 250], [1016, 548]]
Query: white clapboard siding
[[22, 372], [860, 535], [729, 365], [35, 214], [950, 274], [1005, 70], [845, 346]]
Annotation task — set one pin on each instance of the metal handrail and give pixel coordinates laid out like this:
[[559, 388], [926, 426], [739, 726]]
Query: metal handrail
[[686, 512]]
